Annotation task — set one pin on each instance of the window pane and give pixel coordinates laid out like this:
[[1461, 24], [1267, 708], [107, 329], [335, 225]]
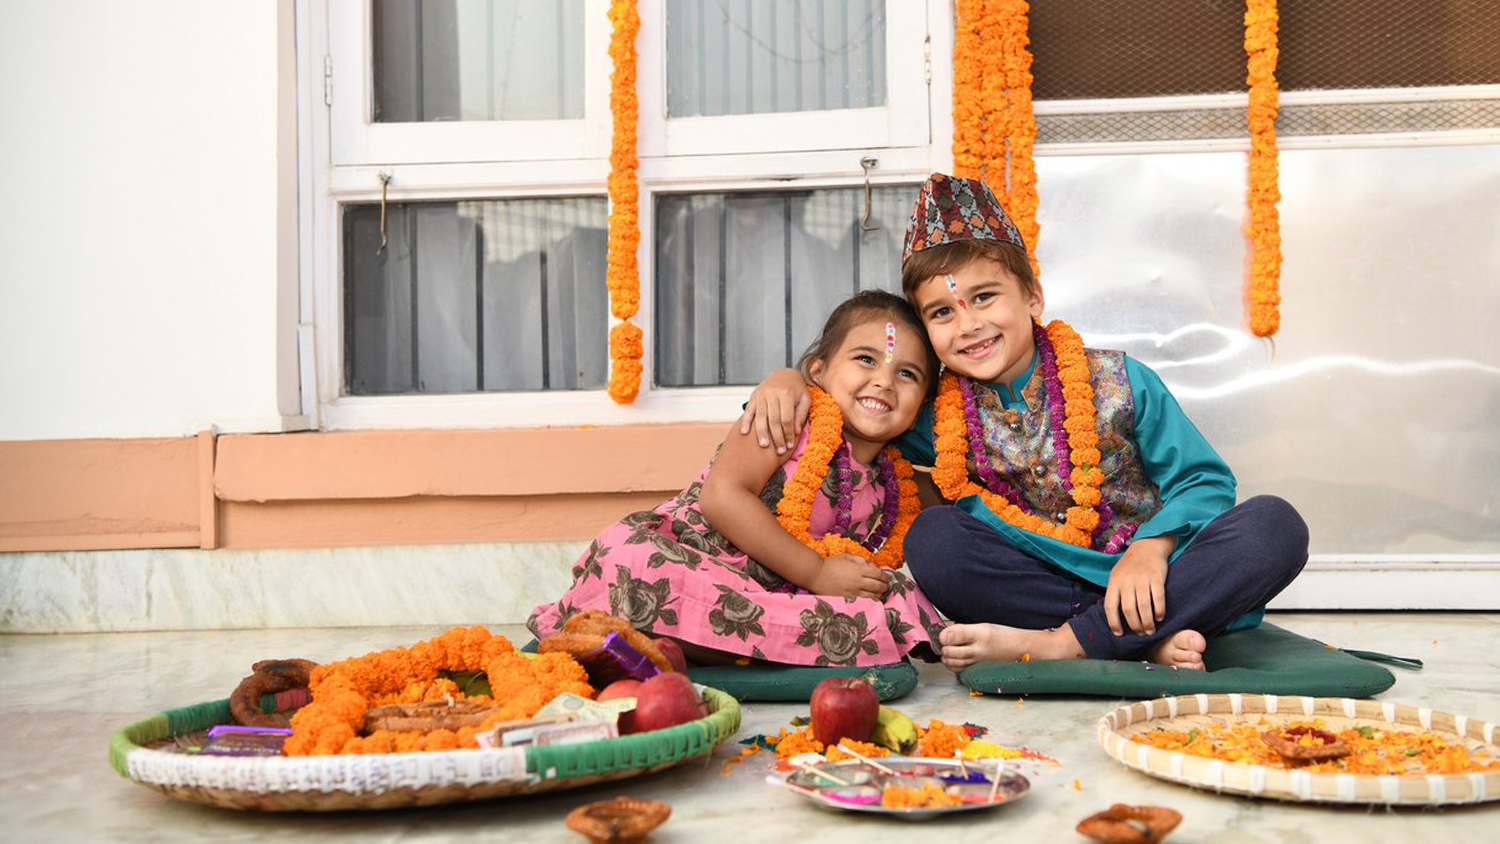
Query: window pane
[[478, 60], [757, 56], [475, 296], [744, 281]]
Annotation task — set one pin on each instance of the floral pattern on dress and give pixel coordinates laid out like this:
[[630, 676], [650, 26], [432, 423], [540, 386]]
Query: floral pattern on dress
[[675, 575]]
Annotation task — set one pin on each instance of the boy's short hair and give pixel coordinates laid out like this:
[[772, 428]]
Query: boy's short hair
[[949, 257]]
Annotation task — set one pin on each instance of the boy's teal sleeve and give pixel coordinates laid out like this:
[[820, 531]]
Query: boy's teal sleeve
[[916, 444], [1196, 485]]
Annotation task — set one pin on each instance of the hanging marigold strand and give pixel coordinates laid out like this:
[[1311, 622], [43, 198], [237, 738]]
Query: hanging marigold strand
[[1263, 193], [969, 155], [825, 432], [622, 276], [1020, 124], [994, 128]]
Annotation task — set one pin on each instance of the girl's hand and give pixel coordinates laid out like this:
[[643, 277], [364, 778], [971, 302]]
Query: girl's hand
[[777, 410], [1138, 586], [847, 576]]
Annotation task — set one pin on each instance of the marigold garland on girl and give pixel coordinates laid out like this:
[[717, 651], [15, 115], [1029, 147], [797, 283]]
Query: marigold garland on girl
[[789, 558], [1076, 482]]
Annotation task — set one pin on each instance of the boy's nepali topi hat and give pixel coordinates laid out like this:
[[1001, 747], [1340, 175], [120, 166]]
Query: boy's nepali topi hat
[[950, 209]]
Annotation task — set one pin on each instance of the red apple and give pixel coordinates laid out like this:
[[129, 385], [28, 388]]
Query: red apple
[[667, 700], [673, 652], [619, 689], [844, 708]]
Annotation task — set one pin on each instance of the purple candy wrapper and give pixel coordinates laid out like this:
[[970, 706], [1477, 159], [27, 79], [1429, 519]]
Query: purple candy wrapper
[[616, 660]]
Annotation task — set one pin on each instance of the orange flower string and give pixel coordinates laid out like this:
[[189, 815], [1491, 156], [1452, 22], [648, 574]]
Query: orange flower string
[[994, 127], [825, 433], [950, 471], [1263, 193], [342, 692], [622, 276]]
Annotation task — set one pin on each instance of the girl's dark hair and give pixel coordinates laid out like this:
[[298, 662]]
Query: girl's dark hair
[[939, 260], [858, 308]]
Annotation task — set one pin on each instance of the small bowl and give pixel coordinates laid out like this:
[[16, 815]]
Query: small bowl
[[1122, 824]]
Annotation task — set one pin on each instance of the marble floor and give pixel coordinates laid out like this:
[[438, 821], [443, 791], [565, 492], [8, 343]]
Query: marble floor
[[62, 696]]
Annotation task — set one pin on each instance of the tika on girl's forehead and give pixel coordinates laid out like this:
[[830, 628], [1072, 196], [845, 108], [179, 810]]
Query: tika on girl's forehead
[[953, 288], [890, 341]]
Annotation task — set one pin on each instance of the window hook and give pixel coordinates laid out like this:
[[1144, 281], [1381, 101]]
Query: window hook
[[385, 181], [869, 163]]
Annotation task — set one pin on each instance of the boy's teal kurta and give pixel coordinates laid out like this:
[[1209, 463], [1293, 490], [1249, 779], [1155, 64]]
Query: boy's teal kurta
[[1194, 483]]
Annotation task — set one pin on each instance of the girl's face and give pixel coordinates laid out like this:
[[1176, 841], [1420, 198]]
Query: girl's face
[[879, 398], [986, 336]]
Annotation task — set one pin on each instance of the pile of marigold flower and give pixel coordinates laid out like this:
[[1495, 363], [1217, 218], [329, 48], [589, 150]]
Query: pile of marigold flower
[[1372, 750], [342, 692]]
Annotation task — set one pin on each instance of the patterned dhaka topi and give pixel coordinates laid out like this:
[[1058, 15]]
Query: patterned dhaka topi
[[950, 209]]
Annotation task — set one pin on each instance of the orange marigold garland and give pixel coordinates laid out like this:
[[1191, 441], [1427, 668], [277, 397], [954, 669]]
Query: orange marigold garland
[[994, 128], [623, 275], [1264, 228], [825, 432], [342, 692], [950, 471]]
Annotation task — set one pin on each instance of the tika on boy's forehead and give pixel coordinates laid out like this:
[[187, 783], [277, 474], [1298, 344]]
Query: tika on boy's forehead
[[953, 288], [890, 341]]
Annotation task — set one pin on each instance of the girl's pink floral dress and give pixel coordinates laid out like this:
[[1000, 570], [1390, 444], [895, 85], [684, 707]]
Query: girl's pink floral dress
[[671, 574]]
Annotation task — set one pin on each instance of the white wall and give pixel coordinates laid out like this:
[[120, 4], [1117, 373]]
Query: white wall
[[141, 249]]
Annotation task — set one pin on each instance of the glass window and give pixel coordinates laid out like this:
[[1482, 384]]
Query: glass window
[[475, 296], [753, 57], [446, 60], [745, 280]]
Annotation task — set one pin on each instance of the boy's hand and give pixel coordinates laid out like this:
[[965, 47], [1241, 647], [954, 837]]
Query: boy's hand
[[847, 576], [777, 410], [1138, 586]]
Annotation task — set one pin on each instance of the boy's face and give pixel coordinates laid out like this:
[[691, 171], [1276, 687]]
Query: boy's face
[[988, 336]]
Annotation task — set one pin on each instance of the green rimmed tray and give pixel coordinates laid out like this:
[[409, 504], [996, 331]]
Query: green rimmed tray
[[146, 752]]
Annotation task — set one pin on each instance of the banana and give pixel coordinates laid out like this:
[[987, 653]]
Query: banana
[[894, 731]]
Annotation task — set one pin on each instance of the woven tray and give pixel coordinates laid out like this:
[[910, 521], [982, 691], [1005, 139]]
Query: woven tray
[[1185, 713], [149, 752]]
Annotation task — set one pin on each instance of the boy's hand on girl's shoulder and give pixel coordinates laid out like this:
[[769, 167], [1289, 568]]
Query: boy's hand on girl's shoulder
[[777, 410], [848, 576], [1137, 593]]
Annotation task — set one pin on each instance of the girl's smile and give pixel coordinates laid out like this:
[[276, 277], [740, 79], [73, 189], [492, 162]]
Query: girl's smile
[[878, 397]]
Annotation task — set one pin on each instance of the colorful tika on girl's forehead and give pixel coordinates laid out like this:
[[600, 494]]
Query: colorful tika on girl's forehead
[[953, 288], [890, 341]]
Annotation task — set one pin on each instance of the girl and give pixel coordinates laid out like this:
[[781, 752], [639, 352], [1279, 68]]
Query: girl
[[788, 558]]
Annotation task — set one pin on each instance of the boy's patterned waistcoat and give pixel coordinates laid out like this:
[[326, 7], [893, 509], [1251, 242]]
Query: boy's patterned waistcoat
[[1020, 447]]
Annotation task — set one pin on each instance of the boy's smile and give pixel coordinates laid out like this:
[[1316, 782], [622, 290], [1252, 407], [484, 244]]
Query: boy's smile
[[981, 324]]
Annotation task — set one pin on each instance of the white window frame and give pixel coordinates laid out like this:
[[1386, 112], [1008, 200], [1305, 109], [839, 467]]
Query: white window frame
[[447, 161]]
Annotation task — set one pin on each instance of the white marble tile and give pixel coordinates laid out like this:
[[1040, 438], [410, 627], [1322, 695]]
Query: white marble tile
[[63, 695], [185, 589]]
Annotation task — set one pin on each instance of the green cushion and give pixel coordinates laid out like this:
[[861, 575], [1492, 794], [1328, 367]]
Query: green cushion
[[1265, 659], [794, 683]]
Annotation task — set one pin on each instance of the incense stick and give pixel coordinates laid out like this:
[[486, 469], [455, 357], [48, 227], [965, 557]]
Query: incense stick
[[808, 766], [867, 760], [999, 772]]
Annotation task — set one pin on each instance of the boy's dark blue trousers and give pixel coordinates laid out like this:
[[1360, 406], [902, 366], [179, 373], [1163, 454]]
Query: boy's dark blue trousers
[[1237, 563]]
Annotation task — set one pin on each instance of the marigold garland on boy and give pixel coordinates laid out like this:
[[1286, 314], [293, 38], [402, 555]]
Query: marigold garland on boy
[[789, 558], [1088, 516]]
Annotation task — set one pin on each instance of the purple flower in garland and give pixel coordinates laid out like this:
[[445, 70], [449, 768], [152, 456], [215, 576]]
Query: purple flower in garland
[[844, 505], [979, 453], [1056, 404]]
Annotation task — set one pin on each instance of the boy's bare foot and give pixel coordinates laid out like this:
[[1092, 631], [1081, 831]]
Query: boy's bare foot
[[1183, 649], [966, 644]]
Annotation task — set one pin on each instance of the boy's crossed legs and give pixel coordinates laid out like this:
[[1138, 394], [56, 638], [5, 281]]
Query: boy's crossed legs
[[1237, 563]]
